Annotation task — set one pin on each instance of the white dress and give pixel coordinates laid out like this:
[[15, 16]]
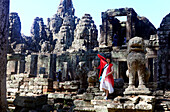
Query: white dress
[[104, 84]]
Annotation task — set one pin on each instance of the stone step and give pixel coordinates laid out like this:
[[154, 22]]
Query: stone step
[[84, 109], [11, 108], [99, 97], [101, 102], [82, 103], [10, 101]]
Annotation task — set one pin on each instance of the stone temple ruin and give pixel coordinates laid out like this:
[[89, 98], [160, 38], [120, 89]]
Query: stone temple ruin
[[71, 44]]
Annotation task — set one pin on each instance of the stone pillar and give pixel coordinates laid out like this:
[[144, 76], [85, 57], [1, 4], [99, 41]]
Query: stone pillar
[[116, 70], [155, 69], [130, 24], [31, 65], [105, 25], [22, 65], [65, 70], [109, 30], [52, 67], [27, 64]]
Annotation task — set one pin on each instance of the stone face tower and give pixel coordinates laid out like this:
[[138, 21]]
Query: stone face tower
[[14, 37], [85, 34], [65, 8]]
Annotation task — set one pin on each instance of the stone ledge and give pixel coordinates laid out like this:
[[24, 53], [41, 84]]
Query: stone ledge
[[82, 103], [88, 109]]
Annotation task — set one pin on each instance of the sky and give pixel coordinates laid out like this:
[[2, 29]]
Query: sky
[[154, 10]]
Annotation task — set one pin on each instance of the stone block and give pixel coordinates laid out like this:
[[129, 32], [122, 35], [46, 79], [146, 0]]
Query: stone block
[[88, 96], [82, 103], [101, 102], [129, 106], [24, 101], [56, 96], [68, 96], [144, 106], [84, 109], [167, 94], [101, 108], [12, 90], [30, 101], [80, 97], [158, 93], [99, 97], [148, 99], [74, 87], [115, 105]]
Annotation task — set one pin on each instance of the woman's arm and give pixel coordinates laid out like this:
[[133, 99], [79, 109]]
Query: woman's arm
[[112, 71]]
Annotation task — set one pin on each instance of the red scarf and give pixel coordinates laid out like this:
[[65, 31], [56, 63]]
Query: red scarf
[[101, 66]]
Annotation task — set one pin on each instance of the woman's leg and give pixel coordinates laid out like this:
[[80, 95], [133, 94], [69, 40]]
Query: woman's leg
[[107, 93], [104, 90]]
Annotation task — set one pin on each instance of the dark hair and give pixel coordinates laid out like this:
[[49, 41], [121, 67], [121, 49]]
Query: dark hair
[[108, 57]]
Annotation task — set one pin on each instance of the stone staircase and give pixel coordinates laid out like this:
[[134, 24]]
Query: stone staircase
[[66, 96]]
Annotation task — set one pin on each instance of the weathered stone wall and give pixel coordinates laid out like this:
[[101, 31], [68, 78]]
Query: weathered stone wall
[[163, 53]]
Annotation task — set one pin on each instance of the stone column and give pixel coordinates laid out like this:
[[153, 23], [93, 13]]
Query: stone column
[[52, 66], [130, 25], [27, 64], [31, 65], [22, 65], [65, 70], [155, 69], [104, 25]]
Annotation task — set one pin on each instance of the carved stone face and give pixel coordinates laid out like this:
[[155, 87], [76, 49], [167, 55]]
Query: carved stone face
[[136, 44]]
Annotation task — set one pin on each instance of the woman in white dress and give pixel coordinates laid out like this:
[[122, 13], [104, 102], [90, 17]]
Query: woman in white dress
[[107, 81]]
